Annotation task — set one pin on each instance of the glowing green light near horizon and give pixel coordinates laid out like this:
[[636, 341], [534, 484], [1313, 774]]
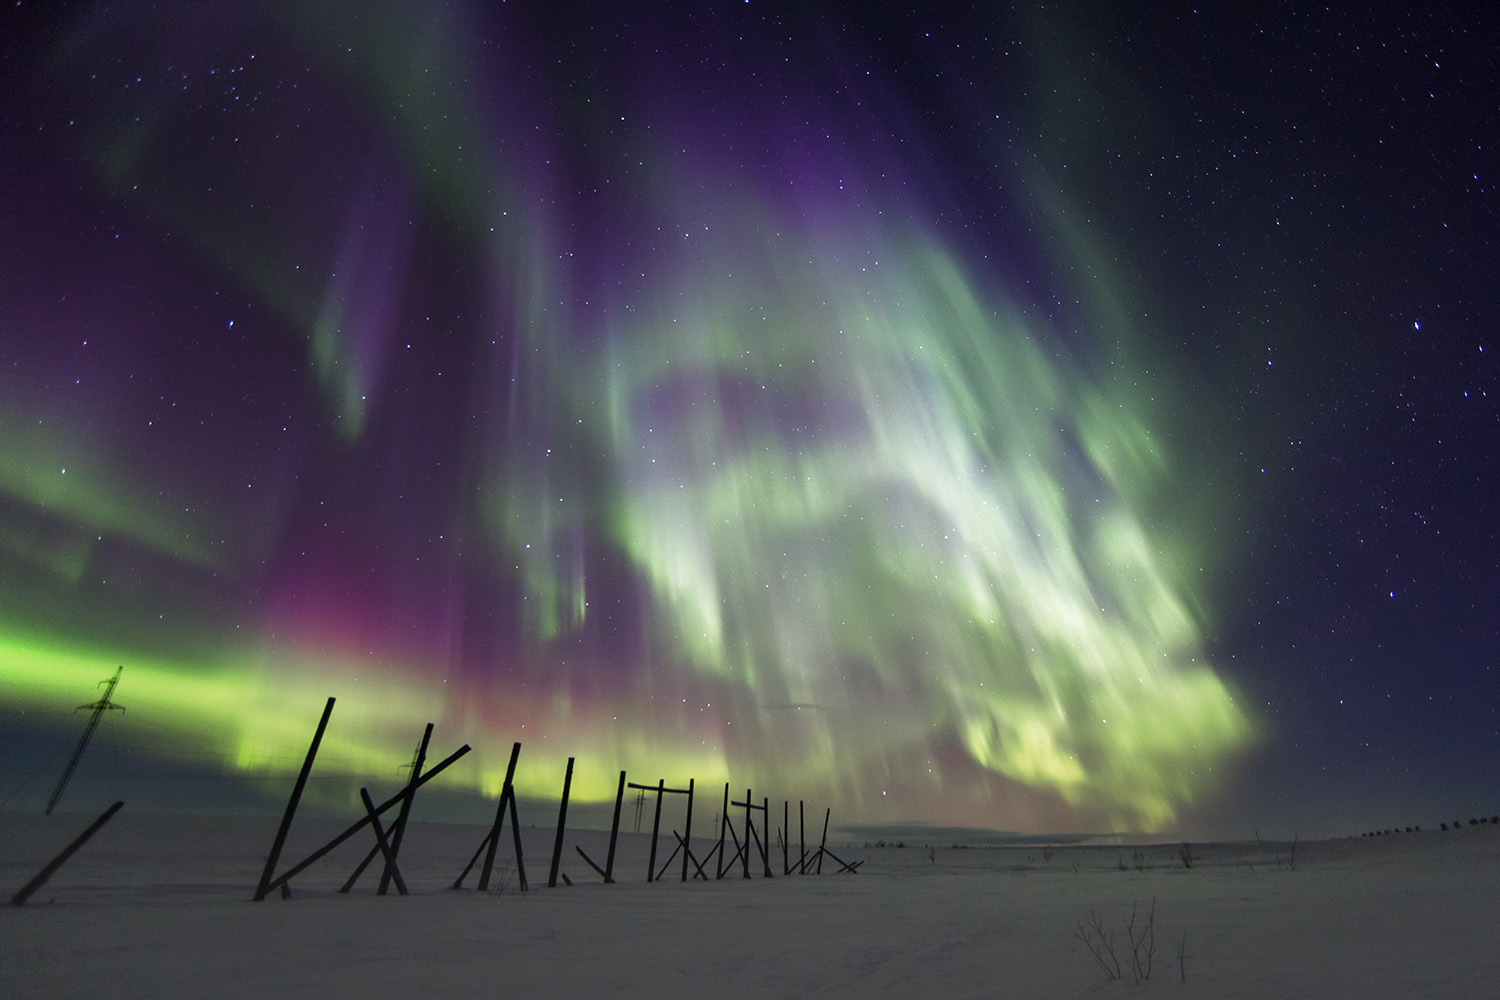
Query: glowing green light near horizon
[[862, 525], [250, 712]]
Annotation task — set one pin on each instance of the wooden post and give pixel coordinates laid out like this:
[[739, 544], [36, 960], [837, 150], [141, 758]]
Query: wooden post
[[801, 837], [397, 829], [562, 819], [283, 879], [723, 828], [749, 829], [824, 844], [786, 837], [614, 831], [515, 841], [765, 847], [264, 885], [661, 785], [507, 798], [687, 831], [697, 865], [19, 899], [382, 841]]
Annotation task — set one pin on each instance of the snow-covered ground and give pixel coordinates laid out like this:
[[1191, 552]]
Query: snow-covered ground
[[159, 906]]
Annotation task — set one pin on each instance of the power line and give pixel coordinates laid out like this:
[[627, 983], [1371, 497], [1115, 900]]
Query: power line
[[99, 707]]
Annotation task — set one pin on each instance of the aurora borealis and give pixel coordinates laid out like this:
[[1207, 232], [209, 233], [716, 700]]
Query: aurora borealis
[[680, 391]]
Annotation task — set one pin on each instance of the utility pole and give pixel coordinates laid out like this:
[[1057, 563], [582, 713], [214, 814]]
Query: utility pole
[[99, 707]]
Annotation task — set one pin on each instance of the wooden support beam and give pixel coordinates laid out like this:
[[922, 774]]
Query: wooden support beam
[[614, 831], [687, 853], [687, 835], [661, 786], [264, 885], [399, 832], [562, 819], [723, 826], [507, 798], [296, 869], [19, 899], [382, 841]]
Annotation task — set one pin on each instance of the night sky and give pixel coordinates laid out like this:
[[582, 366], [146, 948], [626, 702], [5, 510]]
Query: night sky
[[1016, 417]]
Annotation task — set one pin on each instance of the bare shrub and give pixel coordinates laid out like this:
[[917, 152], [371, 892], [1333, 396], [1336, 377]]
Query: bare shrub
[[501, 884], [1142, 943], [1140, 935], [1099, 944]]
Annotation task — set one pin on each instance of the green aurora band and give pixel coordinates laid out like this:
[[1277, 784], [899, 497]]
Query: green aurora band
[[865, 535]]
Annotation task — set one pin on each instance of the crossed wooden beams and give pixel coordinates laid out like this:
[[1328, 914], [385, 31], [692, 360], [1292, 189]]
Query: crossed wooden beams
[[388, 840], [386, 846]]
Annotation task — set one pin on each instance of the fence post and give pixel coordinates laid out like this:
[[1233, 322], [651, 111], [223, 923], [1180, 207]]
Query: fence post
[[24, 894], [264, 885], [562, 819]]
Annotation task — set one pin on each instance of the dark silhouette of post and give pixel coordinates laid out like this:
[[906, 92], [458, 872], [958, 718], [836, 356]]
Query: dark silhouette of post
[[749, 828], [562, 819], [687, 832], [382, 842], [661, 786], [284, 879], [400, 831], [608, 871], [802, 836], [786, 835], [614, 831], [491, 842], [725, 827], [19, 899], [264, 885], [100, 707]]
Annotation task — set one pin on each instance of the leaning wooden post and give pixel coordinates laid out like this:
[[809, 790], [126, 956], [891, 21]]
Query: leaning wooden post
[[723, 828], [823, 845], [749, 829], [562, 820], [383, 843], [399, 830], [264, 885], [286, 877], [661, 786], [19, 899], [786, 837], [507, 798], [687, 832], [802, 837], [765, 847], [515, 842], [614, 831]]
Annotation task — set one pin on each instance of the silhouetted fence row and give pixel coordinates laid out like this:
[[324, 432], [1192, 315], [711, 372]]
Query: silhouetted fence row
[[387, 844]]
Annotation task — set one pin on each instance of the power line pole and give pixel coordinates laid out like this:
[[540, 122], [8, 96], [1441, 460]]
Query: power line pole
[[99, 707]]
